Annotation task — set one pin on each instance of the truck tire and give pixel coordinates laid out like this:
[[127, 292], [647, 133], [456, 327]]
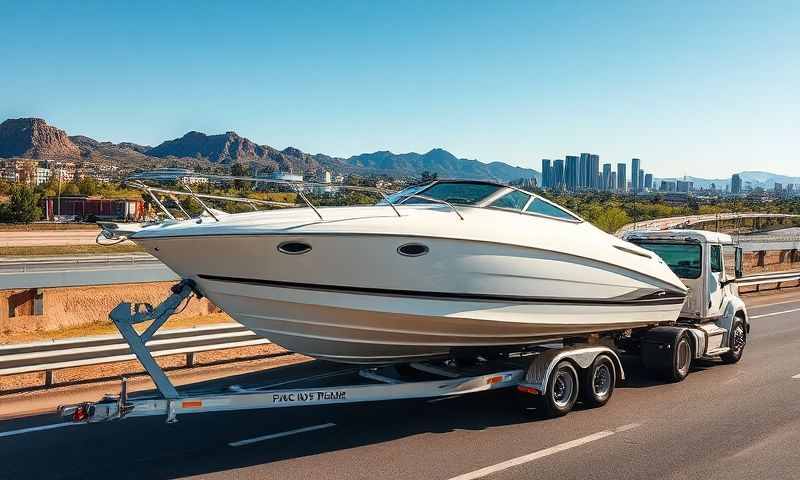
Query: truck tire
[[598, 382], [681, 359], [562, 390], [736, 342]]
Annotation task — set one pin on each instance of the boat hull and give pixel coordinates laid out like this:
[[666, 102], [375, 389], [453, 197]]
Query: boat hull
[[369, 305]]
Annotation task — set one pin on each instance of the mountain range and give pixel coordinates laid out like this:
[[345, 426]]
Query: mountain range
[[34, 138]]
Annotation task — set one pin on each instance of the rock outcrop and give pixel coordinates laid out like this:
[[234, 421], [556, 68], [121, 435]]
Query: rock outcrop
[[34, 138]]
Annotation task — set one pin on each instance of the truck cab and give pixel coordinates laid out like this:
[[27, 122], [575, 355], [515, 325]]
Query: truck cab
[[708, 263]]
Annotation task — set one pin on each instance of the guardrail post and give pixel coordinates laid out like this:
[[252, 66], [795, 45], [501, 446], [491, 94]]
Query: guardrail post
[[48, 378], [190, 359]]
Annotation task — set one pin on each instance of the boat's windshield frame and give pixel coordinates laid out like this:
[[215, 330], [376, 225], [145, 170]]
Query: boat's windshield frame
[[418, 192]]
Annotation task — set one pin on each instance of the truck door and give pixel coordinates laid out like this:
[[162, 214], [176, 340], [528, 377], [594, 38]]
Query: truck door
[[713, 281]]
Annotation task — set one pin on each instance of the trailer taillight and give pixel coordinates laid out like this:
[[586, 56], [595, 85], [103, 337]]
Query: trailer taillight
[[528, 389]]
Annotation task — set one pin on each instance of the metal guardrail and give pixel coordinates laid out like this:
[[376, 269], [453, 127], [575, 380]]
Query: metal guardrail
[[54, 355], [82, 270], [768, 278]]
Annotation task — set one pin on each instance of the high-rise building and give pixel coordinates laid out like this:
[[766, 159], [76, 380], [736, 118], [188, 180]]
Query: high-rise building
[[635, 164], [612, 185], [778, 188], [594, 165], [648, 181], [558, 175], [736, 184], [584, 180], [622, 177], [571, 172], [546, 173], [606, 177], [641, 180], [683, 186]]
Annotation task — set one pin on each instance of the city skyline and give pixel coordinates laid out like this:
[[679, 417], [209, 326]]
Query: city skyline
[[694, 88]]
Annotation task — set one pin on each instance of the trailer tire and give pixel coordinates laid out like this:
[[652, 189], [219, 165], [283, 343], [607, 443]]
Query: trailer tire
[[736, 342], [598, 382], [562, 390]]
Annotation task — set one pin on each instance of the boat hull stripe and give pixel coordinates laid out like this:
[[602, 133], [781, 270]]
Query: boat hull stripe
[[667, 298]]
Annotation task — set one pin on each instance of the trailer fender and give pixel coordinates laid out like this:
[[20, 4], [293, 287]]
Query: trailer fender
[[542, 366], [658, 345]]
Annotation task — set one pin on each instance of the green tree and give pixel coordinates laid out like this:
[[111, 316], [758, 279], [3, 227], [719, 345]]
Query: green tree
[[611, 219], [88, 186], [70, 190], [23, 205]]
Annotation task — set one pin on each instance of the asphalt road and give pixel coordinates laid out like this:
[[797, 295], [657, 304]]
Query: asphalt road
[[724, 421]]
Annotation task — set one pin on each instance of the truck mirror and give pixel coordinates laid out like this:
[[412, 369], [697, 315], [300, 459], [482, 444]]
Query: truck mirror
[[738, 262]]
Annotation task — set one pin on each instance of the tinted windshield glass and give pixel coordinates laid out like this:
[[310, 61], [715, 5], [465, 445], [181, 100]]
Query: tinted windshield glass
[[683, 259], [458, 193], [544, 208], [403, 194], [514, 200]]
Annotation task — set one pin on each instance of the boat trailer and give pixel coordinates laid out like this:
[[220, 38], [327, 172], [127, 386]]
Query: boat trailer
[[551, 373]]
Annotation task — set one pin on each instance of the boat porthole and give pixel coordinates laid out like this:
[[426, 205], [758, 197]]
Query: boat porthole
[[412, 249], [294, 248]]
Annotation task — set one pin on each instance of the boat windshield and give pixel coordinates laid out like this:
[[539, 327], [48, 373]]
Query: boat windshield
[[682, 258], [458, 193]]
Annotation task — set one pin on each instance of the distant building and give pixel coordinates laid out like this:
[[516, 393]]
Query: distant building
[[82, 208], [285, 176], [546, 173], [778, 188], [683, 186], [667, 186], [635, 165], [571, 172], [171, 175], [606, 185], [594, 164], [612, 185], [648, 181], [584, 179], [558, 174], [641, 180], [42, 175], [736, 184], [622, 177]]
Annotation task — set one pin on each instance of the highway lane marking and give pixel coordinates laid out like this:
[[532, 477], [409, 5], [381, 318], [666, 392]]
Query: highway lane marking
[[544, 453], [37, 429], [797, 376], [249, 441], [775, 313]]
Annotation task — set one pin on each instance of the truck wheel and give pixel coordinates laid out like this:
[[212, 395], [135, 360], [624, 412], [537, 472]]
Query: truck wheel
[[598, 382], [562, 389], [681, 359], [737, 342]]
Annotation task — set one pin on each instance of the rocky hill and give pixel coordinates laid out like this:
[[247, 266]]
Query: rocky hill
[[438, 161], [34, 138]]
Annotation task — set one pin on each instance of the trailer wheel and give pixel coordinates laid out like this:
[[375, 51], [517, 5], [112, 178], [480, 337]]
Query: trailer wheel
[[737, 342], [598, 382], [562, 389]]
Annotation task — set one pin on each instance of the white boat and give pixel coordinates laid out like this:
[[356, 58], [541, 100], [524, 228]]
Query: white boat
[[434, 271]]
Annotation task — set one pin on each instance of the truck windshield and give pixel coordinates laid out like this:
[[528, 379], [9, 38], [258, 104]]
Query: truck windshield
[[682, 258]]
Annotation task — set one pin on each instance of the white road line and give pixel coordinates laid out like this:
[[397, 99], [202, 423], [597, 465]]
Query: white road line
[[797, 376], [37, 429], [775, 313], [542, 453], [248, 441]]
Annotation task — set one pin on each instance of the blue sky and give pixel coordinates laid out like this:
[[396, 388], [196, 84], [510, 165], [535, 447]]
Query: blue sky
[[698, 88]]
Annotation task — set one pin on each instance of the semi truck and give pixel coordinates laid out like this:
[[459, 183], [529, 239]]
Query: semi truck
[[551, 377]]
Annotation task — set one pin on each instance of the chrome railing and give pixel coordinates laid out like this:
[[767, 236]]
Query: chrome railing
[[296, 186]]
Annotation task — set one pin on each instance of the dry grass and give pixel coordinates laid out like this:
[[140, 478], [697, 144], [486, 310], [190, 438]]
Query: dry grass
[[35, 227], [34, 250]]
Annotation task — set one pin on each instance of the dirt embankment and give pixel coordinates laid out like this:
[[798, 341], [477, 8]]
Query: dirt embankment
[[84, 310]]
